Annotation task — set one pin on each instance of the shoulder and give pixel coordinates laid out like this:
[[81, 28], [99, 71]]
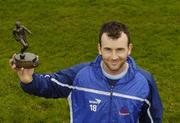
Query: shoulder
[[147, 75], [141, 83], [84, 76], [86, 73], [85, 70]]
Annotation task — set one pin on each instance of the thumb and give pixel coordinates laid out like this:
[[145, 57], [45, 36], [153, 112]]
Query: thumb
[[25, 75]]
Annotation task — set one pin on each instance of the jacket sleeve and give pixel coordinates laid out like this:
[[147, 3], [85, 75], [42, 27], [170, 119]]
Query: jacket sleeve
[[43, 86], [152, 110]]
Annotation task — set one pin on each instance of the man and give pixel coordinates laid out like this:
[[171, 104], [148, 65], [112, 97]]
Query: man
[[111, 89]]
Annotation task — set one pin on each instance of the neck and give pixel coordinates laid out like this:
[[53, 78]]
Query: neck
[[117, 75]]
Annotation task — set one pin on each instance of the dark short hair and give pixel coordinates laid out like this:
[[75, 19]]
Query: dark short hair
[[114, 30]]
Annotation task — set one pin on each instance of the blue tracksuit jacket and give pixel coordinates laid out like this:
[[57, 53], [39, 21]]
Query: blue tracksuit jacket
[[93, 98]]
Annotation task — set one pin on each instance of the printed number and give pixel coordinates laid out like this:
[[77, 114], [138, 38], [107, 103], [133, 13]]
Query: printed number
[[93, 107]]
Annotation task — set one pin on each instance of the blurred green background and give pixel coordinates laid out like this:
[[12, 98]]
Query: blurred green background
[[65, 32]]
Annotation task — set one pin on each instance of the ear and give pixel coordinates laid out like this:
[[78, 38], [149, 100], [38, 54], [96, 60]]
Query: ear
[[130, 47], [99, 49]]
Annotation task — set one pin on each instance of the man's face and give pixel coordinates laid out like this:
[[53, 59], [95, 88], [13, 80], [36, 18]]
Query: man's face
[[114, 52]]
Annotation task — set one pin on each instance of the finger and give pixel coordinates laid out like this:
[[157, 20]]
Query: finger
[[13, 66], [11, 62], [20, 71], [13, 55], [11, 59]]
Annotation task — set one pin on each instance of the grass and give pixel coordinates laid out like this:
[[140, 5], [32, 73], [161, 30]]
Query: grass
[[66, 33]]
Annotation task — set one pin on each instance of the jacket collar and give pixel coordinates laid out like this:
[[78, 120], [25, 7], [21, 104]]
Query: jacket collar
[[128, 77]]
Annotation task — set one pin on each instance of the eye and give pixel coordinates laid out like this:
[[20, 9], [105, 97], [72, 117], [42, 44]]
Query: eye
[[107, 49], [120, 49]]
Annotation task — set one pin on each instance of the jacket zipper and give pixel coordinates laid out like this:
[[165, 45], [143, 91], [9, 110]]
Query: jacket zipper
[[110, 110]]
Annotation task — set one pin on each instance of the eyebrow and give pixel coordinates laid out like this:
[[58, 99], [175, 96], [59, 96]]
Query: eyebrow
[[121, 48], [106, 48], [115, 48]]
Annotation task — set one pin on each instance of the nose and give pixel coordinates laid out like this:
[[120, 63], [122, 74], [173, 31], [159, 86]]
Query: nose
[[114, 55]]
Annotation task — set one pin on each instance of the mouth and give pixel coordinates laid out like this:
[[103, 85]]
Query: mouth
[[114, 63]]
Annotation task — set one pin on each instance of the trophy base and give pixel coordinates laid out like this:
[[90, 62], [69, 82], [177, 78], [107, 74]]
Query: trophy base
[[26, 60]]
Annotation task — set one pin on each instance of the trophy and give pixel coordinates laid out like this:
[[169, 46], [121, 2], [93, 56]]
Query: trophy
[[24, 59]]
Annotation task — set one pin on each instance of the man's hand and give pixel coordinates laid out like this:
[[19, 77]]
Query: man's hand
[[25, 75]]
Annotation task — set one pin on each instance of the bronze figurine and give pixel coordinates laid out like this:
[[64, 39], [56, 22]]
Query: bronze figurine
[[24, 59], [19, 33]]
